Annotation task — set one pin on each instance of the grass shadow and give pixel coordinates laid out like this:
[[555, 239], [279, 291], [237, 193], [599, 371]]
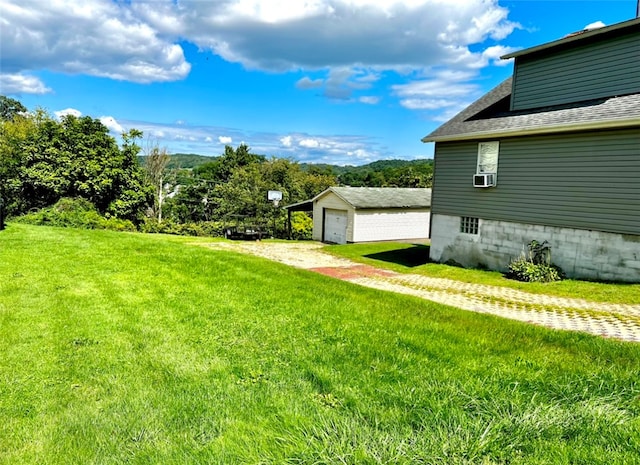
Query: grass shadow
[[409, 257]]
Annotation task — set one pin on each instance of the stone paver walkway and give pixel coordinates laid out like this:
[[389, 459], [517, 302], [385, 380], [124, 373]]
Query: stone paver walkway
[[609, 320]]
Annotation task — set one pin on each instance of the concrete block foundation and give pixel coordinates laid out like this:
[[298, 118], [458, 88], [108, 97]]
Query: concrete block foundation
[[582, 254]]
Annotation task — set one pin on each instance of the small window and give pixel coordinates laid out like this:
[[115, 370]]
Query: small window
[[488, 157], [469, 225]]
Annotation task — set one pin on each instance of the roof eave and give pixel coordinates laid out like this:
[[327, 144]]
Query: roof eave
[[294, 206], [552, 129], [574, 38]]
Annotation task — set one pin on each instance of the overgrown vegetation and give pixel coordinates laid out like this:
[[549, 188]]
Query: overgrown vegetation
[[535, 265], [75, 213], [131, 348], [43, 160]]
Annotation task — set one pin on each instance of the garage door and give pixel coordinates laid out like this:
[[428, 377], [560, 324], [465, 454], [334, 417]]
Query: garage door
[[390, 225], [335, 226]]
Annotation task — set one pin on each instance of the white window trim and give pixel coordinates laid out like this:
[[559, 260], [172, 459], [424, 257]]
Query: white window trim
[[488, 149]]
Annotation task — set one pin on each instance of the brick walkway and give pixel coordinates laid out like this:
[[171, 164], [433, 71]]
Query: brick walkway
[[609, 320]]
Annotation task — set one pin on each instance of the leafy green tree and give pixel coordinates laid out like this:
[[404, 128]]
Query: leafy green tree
[[10, 108], [236, 185], [221, 169], [13, 133], [74, 157], [191, 204], [129, 193]]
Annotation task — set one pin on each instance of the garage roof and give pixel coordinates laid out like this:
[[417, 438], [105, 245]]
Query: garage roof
[[382, 197], [373, 197]]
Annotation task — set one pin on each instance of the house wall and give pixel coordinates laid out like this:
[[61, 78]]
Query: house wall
[[582, 72], [330, 200], [390, 224], [584, 181], [580, 253]]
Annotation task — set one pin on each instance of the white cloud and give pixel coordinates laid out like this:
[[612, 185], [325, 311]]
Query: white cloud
[[493, 54], [596, 25], [308, 83], [343, 81], [225, 140], [208, 139], [111, 123], [276, 35], [334, 149], [360, 154], [309, 143], [286, 141], [443, 92], [312, 148], [93, 37], [67, 111], [348, 44], [369, 99], [19, 83]]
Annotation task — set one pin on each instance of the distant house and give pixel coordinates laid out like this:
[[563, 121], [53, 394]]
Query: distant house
[[553, 154], [363, 214]]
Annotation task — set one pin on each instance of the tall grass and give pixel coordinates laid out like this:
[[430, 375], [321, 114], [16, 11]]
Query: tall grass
[[128, 348]]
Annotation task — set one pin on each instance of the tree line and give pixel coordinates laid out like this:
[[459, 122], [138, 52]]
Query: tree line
[[381, 173], [72, 166]]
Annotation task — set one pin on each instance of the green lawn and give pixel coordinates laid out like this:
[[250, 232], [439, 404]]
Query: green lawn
[[410, 258], [125, 348]]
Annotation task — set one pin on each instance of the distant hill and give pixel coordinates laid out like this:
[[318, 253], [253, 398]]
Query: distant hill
[[400, 173], [378, 165], [184, 160], [193, 160]]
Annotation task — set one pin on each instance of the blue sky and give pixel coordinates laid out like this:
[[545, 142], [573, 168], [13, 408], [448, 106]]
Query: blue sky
[[321, 81]]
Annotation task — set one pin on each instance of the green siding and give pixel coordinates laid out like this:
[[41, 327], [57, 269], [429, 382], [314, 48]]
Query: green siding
[[581, 180], [590, 71]]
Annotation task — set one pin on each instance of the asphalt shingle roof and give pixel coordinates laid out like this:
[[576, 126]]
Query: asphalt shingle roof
[[488, 116], [491, 116], [383, 197]]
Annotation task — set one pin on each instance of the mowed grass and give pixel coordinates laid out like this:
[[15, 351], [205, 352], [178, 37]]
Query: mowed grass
[[413, 258], [127, 348]]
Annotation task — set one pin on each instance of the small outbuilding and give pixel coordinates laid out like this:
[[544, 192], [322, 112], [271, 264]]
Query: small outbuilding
[[365, 214]]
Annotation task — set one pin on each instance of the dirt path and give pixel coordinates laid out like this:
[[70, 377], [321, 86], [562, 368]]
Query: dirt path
[[603, 319]]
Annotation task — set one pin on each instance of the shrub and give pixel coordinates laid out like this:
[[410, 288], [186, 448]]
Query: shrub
[[301, 226], [535, 266], [75, 213], [117, 224], [68, 213], [203, 228]]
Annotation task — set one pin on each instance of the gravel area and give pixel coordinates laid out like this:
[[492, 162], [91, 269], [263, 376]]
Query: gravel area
[[609, 320]]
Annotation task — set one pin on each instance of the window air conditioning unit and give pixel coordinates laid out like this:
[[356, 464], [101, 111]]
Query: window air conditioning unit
[[484, 180]]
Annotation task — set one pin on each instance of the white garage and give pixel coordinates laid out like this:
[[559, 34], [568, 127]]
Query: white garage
[[366, 214], [335, 226]]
